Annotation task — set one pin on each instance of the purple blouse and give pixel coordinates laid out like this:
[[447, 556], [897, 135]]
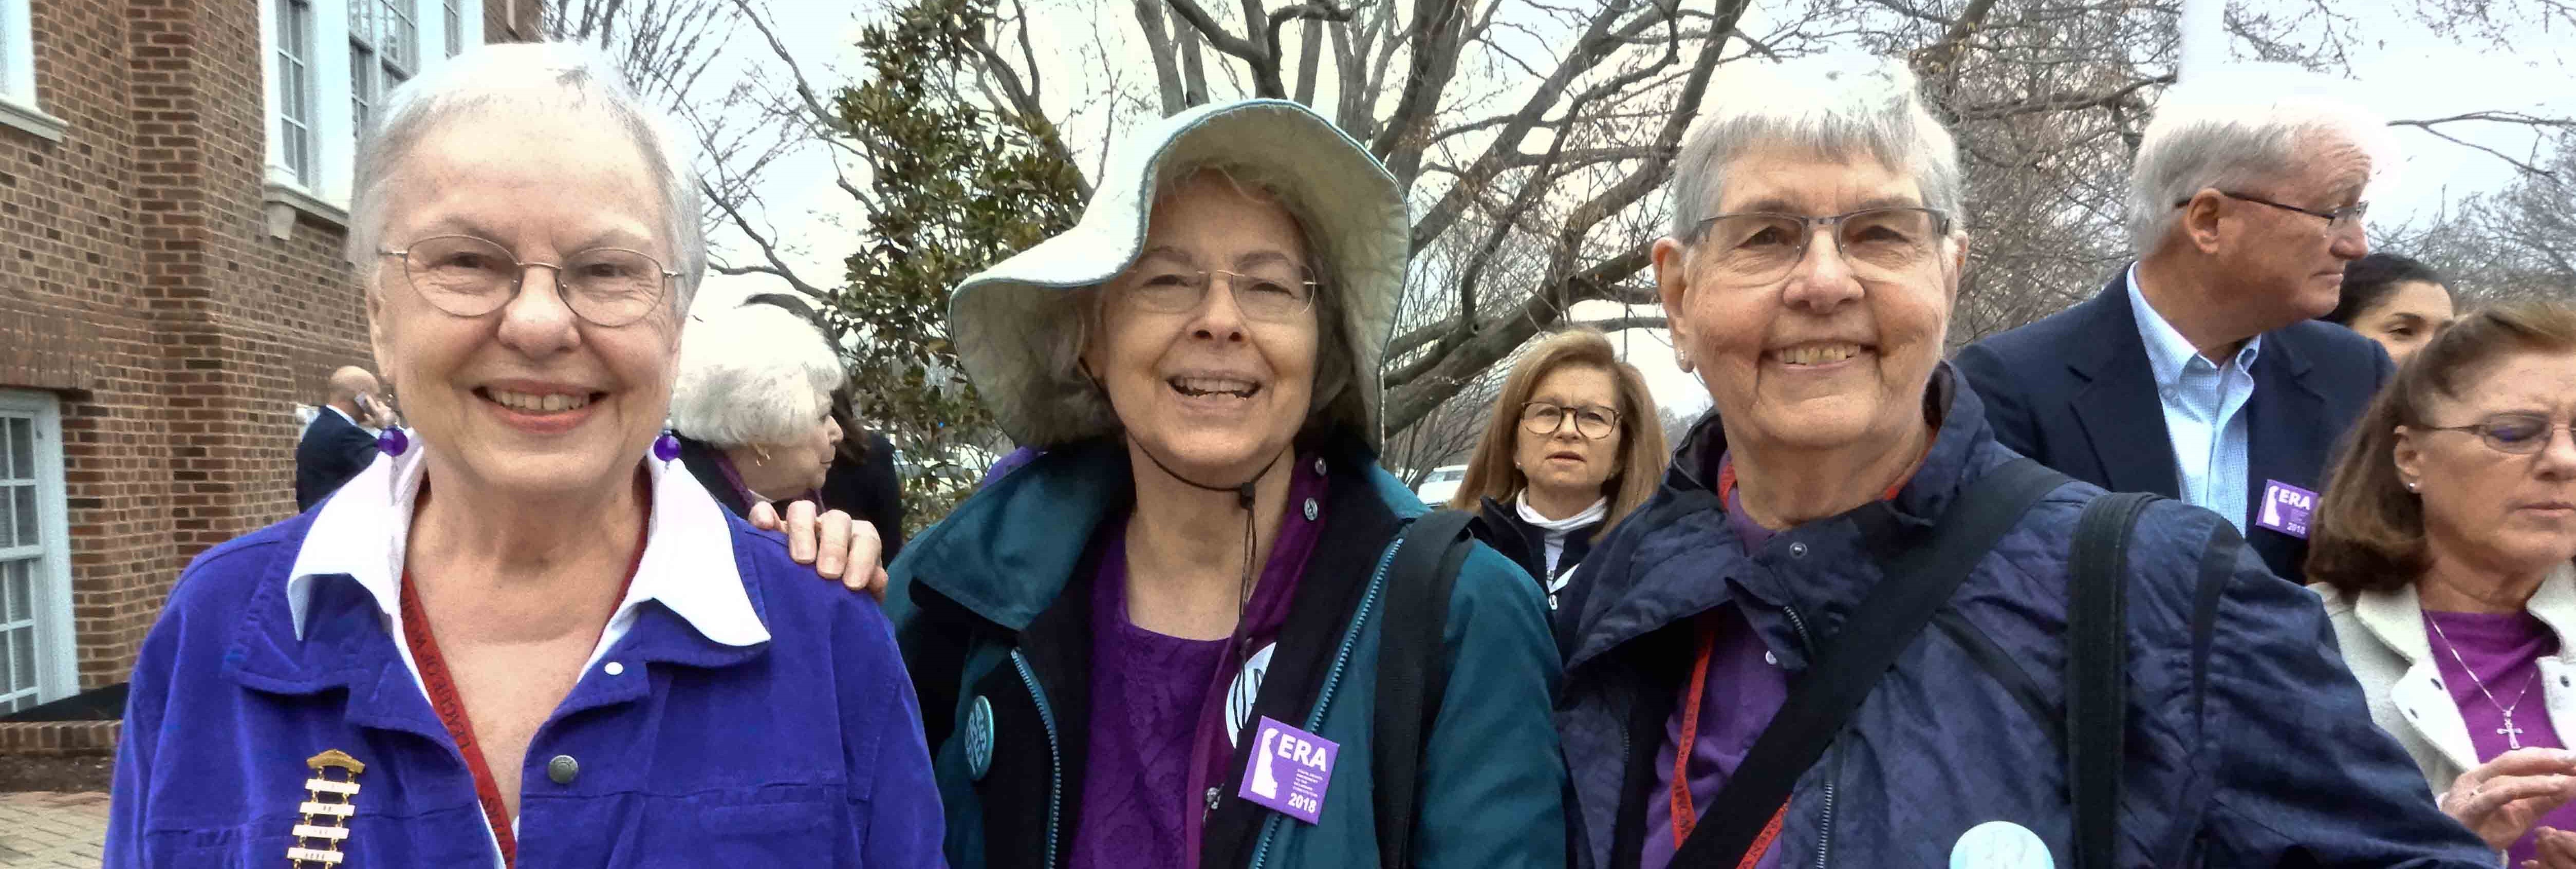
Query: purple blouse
[[2504, 650], [1159, 731], [1745, 688]]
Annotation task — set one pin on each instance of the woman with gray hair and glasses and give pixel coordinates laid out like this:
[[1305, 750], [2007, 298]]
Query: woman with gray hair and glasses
[[1169, 640], [522, 636], [1837, 635]]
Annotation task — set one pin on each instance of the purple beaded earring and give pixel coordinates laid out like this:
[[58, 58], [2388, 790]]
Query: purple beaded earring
[[392, 441], [666, 447]]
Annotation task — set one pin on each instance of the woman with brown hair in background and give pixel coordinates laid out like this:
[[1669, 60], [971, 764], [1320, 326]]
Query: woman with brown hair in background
[[2442, 549], [1574, 445]]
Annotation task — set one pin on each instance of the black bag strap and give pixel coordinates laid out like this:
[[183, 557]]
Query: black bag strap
[[1410, 678], [2097, 672], [1843, 674]]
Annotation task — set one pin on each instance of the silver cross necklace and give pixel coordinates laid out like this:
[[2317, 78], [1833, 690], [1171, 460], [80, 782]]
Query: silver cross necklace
[[2512, 734]]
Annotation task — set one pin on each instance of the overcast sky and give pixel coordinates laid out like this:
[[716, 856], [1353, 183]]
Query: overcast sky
[[2404, 71]]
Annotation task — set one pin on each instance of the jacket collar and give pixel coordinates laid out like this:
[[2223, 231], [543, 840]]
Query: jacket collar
[[1666, 563], [2396, 618], [357, 538]]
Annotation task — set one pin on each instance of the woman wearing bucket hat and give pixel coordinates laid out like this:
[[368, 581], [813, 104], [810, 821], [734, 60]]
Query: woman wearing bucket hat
[[1159, 643]]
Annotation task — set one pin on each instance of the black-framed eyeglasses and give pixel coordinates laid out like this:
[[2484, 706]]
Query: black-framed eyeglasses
[[1759, 247], [1270, 291], [1593, 422], [2336, 220], [2520, 434], [467, 276]]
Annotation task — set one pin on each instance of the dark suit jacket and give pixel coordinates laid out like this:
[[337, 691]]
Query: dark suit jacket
[[700, 458], [870, 491], [332, 450], [2076, 392]]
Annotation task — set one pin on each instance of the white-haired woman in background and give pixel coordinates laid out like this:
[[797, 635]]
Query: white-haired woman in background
[[753, 405], [1813, 262], [521, 637]]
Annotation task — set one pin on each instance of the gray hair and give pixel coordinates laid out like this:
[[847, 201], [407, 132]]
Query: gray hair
[[756, 374], [524, 79], [1336, 398], [1835, 106], [2234, 127]]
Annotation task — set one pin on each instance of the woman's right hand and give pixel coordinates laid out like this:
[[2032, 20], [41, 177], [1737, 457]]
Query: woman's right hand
[[2502, 798]]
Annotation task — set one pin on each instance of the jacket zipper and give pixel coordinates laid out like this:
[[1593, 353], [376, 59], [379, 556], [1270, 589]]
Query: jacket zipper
[[1825, 827], [1324, 699], [1055, 752]]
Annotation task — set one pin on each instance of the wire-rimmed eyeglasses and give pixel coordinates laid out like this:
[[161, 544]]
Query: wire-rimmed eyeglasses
[[467, 276], [2520, 434], [2336, 220], [1759, 247], [1268, 291]]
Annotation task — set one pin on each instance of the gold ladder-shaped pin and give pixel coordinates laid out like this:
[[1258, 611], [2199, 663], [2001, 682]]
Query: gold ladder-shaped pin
[[328, 804]]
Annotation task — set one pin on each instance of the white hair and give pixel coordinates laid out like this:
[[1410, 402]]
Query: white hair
[[504, 82], [1835, 106], [756, 374], [2238, 125]]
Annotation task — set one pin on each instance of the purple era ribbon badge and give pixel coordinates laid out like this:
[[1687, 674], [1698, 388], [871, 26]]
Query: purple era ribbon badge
[[2285, 508], [1288, 770]]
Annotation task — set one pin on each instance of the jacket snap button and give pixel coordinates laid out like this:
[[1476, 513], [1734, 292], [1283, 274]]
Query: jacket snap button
[[1771, 659], [979, 739], [1311, 509], [1797, 550], [563, 769], [1319, 467], [614, 669]]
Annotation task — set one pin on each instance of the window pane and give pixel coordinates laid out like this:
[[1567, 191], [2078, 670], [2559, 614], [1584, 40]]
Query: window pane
[[17, 433], [8, 519], [22, 644], [27, 516], [16, 592]]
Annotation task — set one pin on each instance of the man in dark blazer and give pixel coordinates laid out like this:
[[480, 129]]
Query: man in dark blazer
[[335, 447], [2199, 373]]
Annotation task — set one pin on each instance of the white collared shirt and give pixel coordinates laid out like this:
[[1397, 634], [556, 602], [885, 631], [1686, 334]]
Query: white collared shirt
[[688, 564], [2204, 405]]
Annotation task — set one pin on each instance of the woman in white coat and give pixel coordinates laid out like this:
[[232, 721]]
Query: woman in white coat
[[2442, 549]]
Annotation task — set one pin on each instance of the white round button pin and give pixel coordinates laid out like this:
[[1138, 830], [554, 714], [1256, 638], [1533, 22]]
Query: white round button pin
[[2000, 845]]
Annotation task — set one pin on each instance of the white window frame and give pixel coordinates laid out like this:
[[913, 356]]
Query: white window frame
[[18, 106], [324, 191], [293, 60], [55, 646]]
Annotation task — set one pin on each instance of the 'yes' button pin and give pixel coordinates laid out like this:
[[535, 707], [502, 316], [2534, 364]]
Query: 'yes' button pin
[[2000, 845]]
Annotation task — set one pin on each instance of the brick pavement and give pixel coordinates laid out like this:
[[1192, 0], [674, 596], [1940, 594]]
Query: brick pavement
[[52, 829]]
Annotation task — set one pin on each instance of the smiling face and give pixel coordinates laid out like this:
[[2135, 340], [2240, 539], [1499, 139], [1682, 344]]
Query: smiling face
[[2290, 265], [529, 400], [2498, 512], [2411, 314], [1565, 461], [1209, 390], [1828, 355]]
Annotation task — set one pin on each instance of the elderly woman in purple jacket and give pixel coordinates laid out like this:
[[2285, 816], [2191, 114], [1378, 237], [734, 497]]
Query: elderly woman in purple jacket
[[522, 638]]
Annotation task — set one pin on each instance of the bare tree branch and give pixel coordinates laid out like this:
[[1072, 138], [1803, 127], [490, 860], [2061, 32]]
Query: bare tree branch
[[777, 265], [1167, 73]]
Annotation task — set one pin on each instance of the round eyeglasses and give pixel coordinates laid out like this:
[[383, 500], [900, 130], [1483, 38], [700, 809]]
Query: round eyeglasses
[[467, 276], [1548, 418]]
